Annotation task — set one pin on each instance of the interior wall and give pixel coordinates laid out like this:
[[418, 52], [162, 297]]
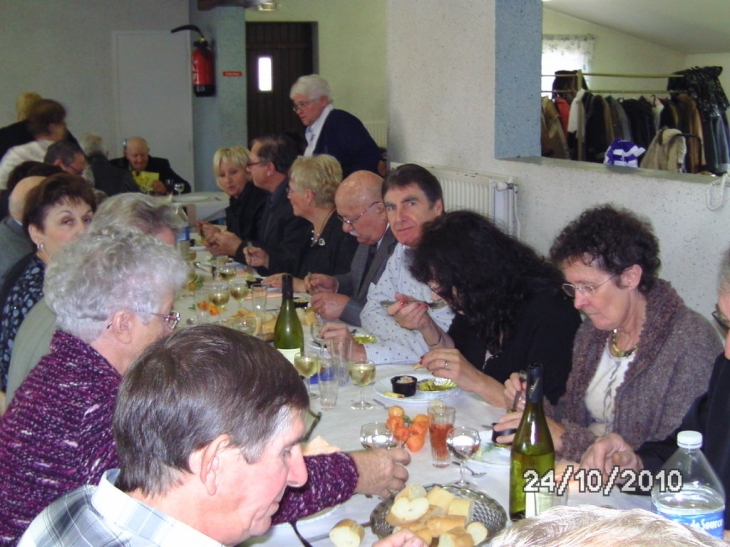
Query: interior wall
[[63, 51], [351, 39], [713, 59], [617, 53], [453, 85]]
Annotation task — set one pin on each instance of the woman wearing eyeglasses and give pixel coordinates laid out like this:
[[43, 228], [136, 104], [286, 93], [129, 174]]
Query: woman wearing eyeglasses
[[313, 182], [510, 310], [642, 356], [112, 293]]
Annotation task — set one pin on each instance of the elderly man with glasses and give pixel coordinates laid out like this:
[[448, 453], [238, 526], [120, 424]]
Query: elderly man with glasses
[[330, 130], [360, 206]]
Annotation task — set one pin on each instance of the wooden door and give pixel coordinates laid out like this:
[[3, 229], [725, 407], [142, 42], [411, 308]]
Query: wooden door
[[289, 45]]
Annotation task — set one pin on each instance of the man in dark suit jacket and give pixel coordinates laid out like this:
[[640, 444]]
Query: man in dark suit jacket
[[137, 159], [360, 205], [330, 131], [282, 237], [108, 178]]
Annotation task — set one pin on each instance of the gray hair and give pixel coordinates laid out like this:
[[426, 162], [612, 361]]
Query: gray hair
[[313, 87], [191, 387], [93, 143], [586, 525], [321, 174], [108, 271], [133, 210]]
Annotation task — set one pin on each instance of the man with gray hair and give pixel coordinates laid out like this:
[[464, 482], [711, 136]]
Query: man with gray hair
[[33, 340], [109, 179], [207, 427], [332, 131], [68, 156]]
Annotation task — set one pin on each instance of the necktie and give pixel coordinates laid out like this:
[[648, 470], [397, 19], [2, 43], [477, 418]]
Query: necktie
[[369, 262]]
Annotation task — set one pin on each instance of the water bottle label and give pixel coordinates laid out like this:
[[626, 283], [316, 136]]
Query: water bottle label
[[712, 523], [290, 353]]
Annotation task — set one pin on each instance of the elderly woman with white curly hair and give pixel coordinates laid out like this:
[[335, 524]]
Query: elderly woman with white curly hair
[[112, 293]]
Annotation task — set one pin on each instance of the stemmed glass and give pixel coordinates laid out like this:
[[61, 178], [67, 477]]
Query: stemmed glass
[[239, 290], [227, 271], [315, 328], [307, 365], [463, 442], [362, 374], [218, 294], [377, 435], [179, 187]]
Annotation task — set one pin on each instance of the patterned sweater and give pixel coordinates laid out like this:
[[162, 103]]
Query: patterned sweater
[[671, 368], [57, 436]]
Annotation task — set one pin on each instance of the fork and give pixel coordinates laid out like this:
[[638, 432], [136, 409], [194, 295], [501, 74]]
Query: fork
[[317, 417], [470, 470], [300, 536]]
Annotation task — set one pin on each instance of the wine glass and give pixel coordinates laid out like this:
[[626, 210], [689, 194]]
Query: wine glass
[[192, 281], [239, 290], [362, 374], [179, 187], [227, 271], [247, 325], [315, 328], [377, 435], [463, 442], [218, 294], [307, 365]]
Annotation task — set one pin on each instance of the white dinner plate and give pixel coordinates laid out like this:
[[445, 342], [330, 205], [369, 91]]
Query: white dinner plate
[[383, 385], [190, 198], [490, 454]]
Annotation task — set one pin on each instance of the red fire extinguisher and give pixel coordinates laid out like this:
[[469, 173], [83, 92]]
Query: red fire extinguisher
[[203, 64]]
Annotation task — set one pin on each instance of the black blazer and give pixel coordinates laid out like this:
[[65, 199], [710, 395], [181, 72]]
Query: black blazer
[[110, 179], [154, 165], [345, 137]]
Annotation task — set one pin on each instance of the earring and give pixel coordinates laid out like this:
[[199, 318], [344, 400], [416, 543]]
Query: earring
[[39, 246]]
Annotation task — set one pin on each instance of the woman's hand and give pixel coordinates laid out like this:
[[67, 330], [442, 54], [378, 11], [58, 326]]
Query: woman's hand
[[512, 419], [207, 230], [512, 386], [610, 451], [410, 313], [333, 329], [276, 282]]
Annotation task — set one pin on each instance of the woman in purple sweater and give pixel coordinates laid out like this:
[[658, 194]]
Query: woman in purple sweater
[[113, 293]]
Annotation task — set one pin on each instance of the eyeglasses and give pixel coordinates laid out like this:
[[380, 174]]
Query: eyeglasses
[[290, 190], [352, 221], [721, 319], [252, 163], [74, 170], [585, 290], [301, 106], [171, 319]]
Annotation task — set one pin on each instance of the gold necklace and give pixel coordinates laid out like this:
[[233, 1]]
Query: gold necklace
[[617, 352]]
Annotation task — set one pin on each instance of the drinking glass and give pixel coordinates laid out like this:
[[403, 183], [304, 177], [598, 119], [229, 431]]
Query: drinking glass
[[179, 187], [258, 298], [315, 328], [328, 383], [227, 271], [239, 290], [218, 294], [463, 442], [246, 325], [362, 374], [341, 350], [307, 365], [377, 435], [440, 423]]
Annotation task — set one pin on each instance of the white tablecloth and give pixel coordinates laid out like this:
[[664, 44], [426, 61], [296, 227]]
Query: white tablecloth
[[208, 205], [341, 427]]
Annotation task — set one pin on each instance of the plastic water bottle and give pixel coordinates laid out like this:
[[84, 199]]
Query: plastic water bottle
[[184, 233], [696, 498]]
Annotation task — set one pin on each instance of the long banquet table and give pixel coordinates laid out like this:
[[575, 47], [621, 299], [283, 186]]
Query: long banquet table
[[341, 427]]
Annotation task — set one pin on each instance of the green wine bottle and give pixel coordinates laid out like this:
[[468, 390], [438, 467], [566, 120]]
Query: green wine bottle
[[533, 454], [288, 335]]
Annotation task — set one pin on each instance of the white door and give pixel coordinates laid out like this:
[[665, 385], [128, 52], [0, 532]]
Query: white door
[[153, 95]]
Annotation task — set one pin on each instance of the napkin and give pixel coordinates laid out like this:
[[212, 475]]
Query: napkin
[[319, 446]]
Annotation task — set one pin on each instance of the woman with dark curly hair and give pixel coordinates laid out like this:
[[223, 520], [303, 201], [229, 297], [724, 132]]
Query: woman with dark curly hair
[[643, 356], [510, 311]]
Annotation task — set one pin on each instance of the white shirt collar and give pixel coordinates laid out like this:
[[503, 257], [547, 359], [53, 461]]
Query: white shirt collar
[[313, 131]]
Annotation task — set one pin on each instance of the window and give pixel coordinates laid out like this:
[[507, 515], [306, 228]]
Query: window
[[564, 53], [265, 74]]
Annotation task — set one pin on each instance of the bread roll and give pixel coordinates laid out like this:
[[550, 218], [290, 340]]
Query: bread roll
[[457, 537], [411, 492], [347, 533], [440, 497], [440, 525], [419, 528], [478, 532], [462, 507], [405, 511]]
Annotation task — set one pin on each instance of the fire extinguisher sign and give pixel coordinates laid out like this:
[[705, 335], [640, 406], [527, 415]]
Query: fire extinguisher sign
[[232, 73]]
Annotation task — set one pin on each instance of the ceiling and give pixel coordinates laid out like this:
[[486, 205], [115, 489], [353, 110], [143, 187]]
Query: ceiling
[[687, 26]]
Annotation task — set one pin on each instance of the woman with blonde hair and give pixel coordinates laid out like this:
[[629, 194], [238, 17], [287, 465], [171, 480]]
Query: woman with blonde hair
[[246, 200], [313, 182]]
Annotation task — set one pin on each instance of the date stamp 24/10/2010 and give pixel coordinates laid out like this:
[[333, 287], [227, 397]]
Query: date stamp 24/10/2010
[[592, 481]]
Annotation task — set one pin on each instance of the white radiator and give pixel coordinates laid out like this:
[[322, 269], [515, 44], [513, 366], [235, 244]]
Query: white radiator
[[494, 196], [378, 131]]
